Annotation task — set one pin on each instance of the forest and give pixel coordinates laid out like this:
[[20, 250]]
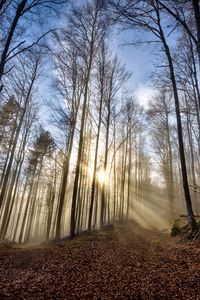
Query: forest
[[79, 152]]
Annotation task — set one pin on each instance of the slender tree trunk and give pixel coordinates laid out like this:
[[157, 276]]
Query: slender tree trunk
[[114, 171], [129, 176], [13, 186], [20, 212], [197, 19], [103, 196], [169, 167], [7, 156], [191, 217], [125, 169], [3, 58], [28, 204], [19, 126], [80, 149], [2, 2], [32, 207], [95, 163], [64, 184]]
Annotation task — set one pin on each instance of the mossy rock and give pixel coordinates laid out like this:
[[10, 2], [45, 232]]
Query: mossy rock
[[176, 227], [179, 227]]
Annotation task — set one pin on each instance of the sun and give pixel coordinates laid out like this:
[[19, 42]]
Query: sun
[[101, 176]]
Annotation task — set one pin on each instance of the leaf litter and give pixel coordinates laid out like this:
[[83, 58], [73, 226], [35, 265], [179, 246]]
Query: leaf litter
[[123, 262]]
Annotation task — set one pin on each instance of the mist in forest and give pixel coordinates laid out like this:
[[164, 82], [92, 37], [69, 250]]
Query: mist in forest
[[82, 144]]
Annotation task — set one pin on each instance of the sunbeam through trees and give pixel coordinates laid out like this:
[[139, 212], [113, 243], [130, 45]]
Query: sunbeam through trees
[[78, 150], [99, 149]]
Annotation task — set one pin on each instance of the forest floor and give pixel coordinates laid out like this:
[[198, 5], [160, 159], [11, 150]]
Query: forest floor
[[124, 262]]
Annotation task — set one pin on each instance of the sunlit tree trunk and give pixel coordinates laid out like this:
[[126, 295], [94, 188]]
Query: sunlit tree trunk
[[27, 207], [101, 75], [14, 184], [129, 174], [103, 191], [80, 147], [64, 182]]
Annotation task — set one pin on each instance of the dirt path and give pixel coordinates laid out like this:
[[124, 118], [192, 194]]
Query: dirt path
[[124, 263]]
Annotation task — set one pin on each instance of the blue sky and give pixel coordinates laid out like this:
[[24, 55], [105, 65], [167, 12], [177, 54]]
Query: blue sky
[[138, 60]]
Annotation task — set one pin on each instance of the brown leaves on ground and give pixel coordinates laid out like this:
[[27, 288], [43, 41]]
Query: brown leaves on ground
[[122, 263]]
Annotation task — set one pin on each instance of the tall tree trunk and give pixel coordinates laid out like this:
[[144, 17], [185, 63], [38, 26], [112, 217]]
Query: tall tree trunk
[[129, 175], [197, 19], [27, 206], [33, 204], [64, 184], [3, 58], [2, 2], [80, 147], [19, 126], [191, 217], [13, 186], [20, 211], [95, 162], [103, 196], [114, 171]]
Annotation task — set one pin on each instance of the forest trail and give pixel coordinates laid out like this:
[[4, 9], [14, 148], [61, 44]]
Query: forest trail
[[124, 262]]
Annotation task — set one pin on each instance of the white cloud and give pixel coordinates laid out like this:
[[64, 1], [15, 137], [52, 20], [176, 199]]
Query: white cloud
[[144, 93]]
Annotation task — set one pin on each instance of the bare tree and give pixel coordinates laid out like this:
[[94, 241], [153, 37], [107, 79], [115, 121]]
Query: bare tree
[[13, 46], [69, 85], [147, 15], [159, 112], [90, 28]]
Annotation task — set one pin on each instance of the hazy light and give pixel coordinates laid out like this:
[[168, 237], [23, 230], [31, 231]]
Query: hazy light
[[101, 176]]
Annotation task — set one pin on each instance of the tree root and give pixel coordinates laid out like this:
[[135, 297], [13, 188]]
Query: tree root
[[197, 233], [187, 232], [190, 234]]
